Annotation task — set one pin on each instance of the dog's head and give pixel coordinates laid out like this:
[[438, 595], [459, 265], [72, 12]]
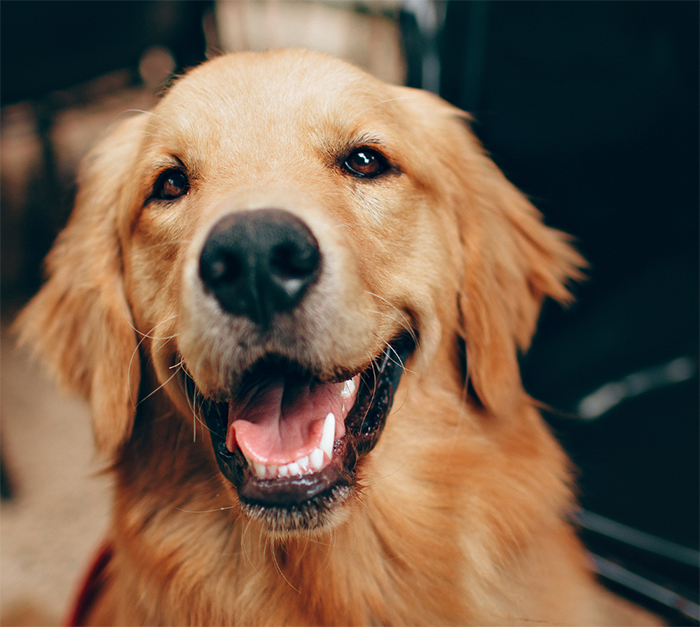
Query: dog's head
[[275, 243]]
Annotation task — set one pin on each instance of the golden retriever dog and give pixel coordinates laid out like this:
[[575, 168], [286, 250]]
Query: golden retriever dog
[[294, 298]]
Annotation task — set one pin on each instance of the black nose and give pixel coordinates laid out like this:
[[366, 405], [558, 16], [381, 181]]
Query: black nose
[[259, 263]]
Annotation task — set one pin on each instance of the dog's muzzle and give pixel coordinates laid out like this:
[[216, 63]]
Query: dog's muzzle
[[287, 439]]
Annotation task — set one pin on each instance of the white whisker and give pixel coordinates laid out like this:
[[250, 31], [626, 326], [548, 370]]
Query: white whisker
[[134, 402], [405, 323], [155, 115], [204, 511], [399, 361], [153, 328], [160, 387], [279, 570]]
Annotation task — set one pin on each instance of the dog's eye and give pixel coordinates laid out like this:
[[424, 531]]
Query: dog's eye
[[366, 163], [170, 185]]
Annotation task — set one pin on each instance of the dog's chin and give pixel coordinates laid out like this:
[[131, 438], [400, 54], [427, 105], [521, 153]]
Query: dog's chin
[[304, 485], [318, 514]]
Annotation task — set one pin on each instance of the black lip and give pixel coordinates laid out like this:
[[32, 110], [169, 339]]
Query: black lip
[[364, 425]]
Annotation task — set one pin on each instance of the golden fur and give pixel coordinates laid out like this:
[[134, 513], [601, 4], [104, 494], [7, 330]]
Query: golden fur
[[459, 513]]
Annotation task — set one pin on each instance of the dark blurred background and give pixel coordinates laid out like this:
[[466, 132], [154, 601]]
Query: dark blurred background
[[591, 108]]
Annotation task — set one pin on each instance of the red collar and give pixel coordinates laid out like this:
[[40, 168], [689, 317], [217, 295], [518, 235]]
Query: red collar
[[91, 586]]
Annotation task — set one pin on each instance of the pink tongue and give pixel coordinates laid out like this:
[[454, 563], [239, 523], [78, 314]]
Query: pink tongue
[[279, 422]]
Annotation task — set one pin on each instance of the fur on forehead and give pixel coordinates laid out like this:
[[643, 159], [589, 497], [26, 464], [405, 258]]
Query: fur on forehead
[[276, 86]]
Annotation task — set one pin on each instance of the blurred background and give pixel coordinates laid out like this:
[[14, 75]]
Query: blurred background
[[591, 108]]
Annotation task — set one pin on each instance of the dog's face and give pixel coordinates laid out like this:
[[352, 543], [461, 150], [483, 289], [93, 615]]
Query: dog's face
[[275, 243]]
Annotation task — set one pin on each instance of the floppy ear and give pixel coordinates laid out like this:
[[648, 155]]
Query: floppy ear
[[512, 261], [80, 322]]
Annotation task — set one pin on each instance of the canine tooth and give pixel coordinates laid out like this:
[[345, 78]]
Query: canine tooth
[[316, 459], [348, 389], [328, 436], [294, 469]]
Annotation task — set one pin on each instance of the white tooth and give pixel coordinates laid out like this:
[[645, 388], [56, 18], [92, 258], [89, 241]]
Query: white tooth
[[283, 471], [260, 470], [328, 436], [294, 469], [348, 389], [271, 472], [316, 459], [303, 463]]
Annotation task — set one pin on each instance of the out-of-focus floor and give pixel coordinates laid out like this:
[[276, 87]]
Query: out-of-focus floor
[[59, 510]]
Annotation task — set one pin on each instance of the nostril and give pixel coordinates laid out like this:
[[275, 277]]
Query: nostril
[[291, 261], [226, 268]]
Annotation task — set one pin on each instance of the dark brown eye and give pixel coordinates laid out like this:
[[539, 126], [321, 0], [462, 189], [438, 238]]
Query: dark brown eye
[[170, 185], [366, 163]]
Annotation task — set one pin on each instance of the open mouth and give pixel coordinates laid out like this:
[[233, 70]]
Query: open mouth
[[290, 442]]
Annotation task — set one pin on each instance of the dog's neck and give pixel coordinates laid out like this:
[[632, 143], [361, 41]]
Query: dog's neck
[[366, 569], [178, 522]]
